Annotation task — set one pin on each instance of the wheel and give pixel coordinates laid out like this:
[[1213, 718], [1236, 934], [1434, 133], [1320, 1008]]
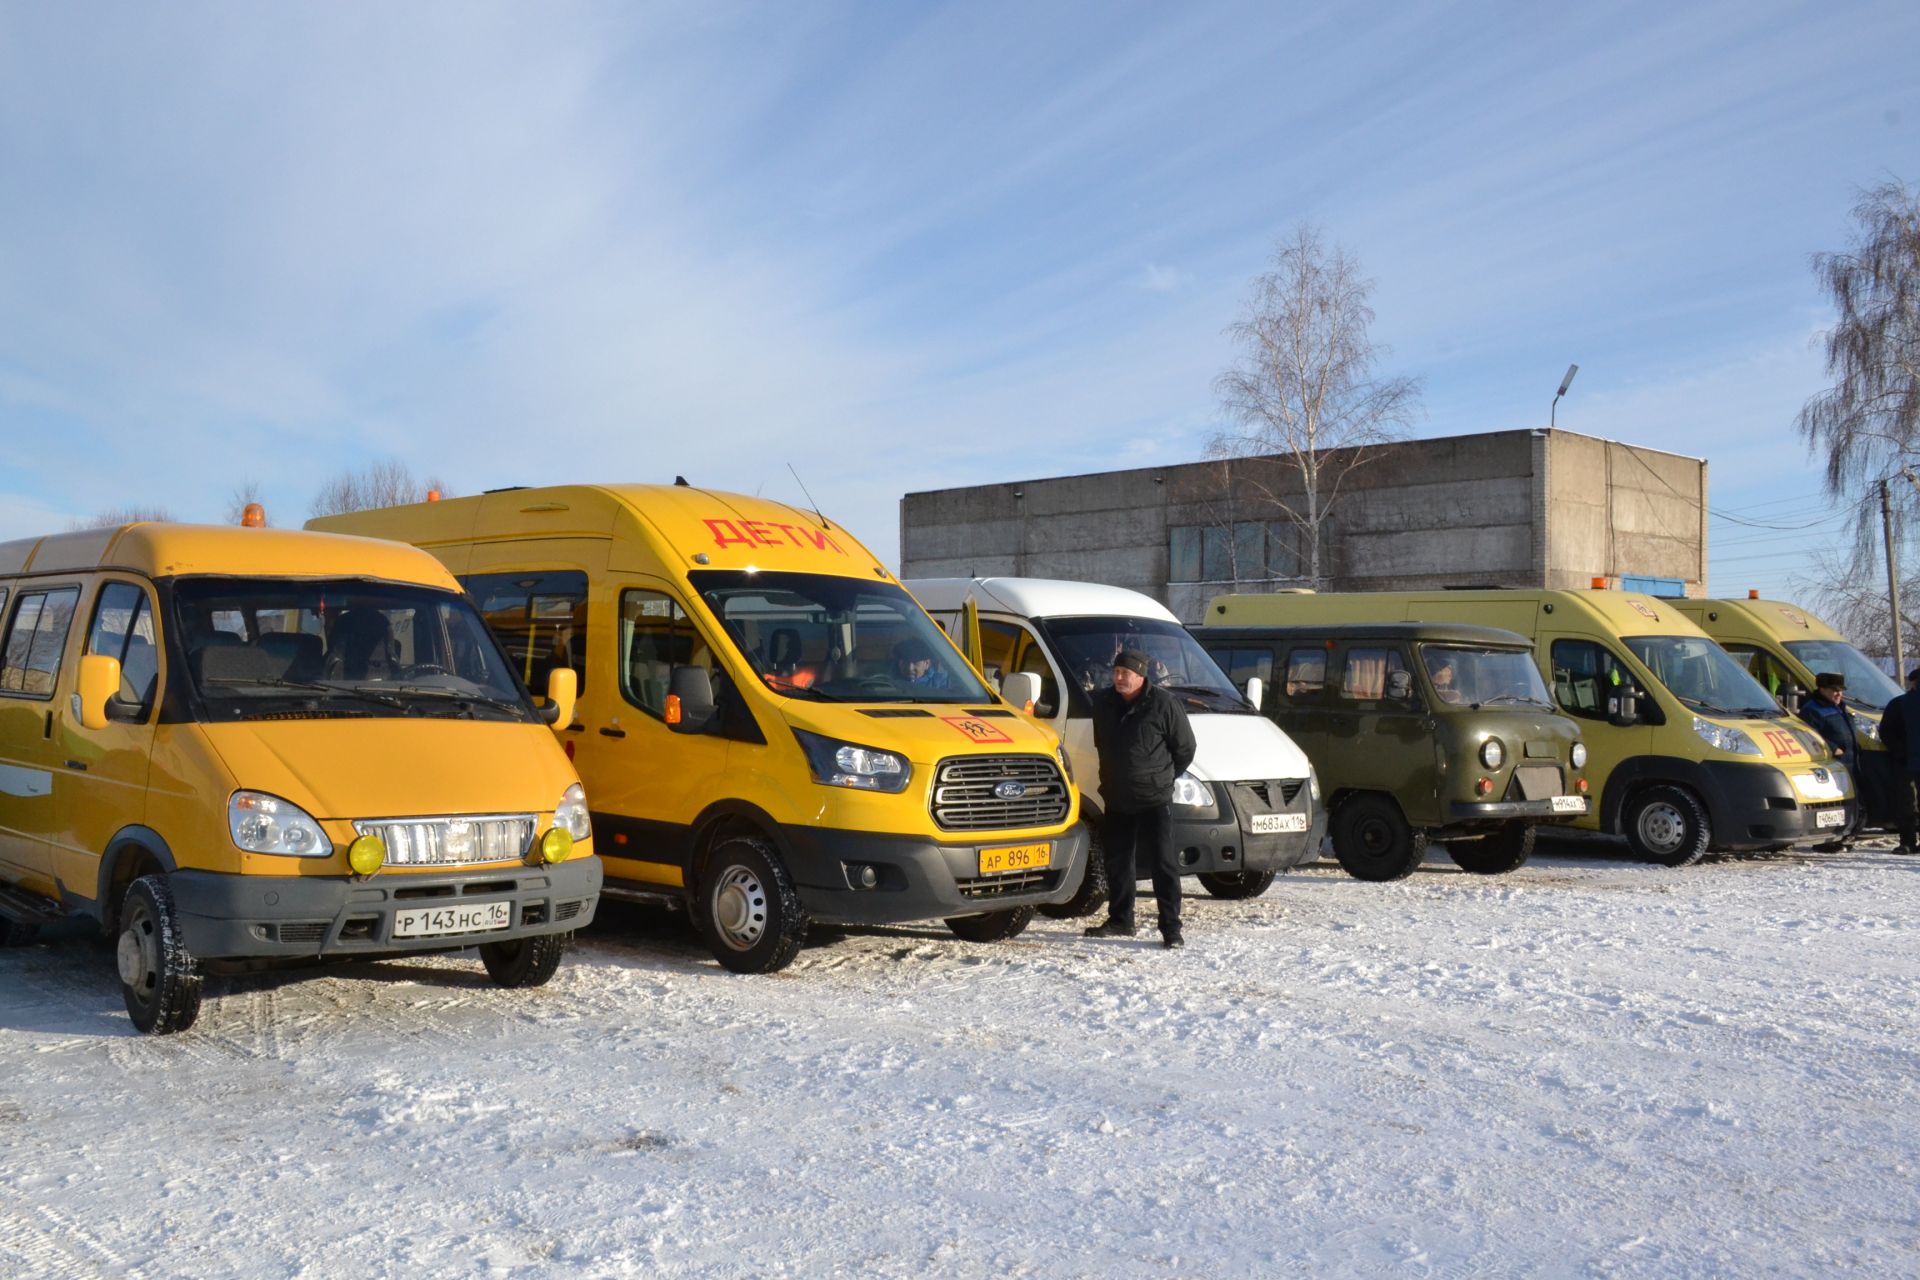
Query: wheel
[[1505, 850], [525, 962], [1236, 884], [1667, 825], [1092, 893], [14, 933], [994, 926], [748, 908], [160, 980], [1372, 840]]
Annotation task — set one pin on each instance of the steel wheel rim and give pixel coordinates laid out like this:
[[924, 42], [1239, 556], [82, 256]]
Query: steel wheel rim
[[138, 953], [1663, 828], [1376, 838], [740, 908]]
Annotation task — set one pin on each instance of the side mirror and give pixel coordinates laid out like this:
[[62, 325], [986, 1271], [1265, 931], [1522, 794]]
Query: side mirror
[[1256, 690], [1400, 686], [1022, 689], [690, 705], [1792, 698], [563, 690], [1623, 708], [99, 680]]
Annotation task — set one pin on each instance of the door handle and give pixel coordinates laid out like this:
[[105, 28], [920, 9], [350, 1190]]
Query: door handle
[[79, 766], [576, 728], [613, 733]]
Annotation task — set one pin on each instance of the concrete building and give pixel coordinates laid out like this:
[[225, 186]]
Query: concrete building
[[1508, 508]]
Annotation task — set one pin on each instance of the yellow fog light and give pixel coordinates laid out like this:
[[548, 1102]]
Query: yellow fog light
[[556, 845], [367, 855]]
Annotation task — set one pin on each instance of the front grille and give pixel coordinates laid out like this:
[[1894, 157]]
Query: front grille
[[1007, 885], [567, 910], [440, 842], [1264, 790], [1537, 781], [1288, 790], [964, 799], [314, 931]]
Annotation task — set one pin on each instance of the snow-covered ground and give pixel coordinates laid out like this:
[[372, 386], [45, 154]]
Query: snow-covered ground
[[1589, 1066]]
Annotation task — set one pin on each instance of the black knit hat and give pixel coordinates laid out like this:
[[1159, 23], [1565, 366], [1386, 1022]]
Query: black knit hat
[[1135, 661]]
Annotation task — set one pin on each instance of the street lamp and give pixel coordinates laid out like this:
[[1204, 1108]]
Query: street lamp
[[1564, 384]]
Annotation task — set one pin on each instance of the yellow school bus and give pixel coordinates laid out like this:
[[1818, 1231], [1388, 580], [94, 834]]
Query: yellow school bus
[[233, 748], [772, 730]]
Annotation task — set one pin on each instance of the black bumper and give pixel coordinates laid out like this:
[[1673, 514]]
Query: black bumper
[[1753, 806], [1223, 840], [1500, 810], [921, 879], [233, 917]]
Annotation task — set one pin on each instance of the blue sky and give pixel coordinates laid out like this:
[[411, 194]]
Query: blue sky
[[901, 246]]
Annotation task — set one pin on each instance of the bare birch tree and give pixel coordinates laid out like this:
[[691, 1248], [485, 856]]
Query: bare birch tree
[[131, 514], [1304, 390], [388, 483], [244, 494]]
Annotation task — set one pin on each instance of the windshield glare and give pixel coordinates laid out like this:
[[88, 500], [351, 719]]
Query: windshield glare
[[810, 635], [1867, 684], [1088, 646], [339, 647], [1703, 675], [1470, 677]]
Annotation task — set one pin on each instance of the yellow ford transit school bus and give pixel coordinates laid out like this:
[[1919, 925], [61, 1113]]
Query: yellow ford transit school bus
[[1688, 753], [771, 729], [237, 747]]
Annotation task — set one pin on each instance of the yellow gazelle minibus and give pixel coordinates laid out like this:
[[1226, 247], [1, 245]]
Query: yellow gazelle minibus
[[772, 730], [236, 747]]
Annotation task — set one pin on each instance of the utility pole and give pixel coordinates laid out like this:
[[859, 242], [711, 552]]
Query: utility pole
[[1893, 576]]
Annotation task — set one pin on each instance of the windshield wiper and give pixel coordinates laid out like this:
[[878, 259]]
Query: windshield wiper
[[1207, 689], [1710, 708], [453, 695], [270, 683], [1513, 697]]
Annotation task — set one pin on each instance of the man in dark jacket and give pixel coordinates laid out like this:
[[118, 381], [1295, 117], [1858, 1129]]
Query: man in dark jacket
[[1826, 710], [1145, 742], [1900, 732]]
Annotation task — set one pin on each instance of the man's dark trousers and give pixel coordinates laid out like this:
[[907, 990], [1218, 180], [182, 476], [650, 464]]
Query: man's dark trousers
[[1128, 838], [1903, 804]]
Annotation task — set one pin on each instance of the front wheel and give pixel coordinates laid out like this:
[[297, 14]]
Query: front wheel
[[159, 978], [524, 962], [993, 926], [1372, 840], [1505, 850], [1092, 893], [1236, 884], [1668, 825], [748, 908]]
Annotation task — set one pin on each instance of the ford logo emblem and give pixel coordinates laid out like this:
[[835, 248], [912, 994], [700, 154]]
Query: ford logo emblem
[[1009, 790]]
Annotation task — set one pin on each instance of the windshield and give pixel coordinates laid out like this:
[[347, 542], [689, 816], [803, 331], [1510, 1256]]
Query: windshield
[[811, 635], [1087, 647], [1702, 675], [284, 648], [1867, 684], [1478, 677]]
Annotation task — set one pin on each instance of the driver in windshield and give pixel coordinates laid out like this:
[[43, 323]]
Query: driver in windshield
[[362, 647], [1443, 685], [913, 664]]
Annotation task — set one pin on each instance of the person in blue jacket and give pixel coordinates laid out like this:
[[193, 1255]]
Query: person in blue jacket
[[1900, 732], [1826, 710]]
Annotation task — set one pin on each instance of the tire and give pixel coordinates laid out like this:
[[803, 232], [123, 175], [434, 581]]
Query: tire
[[1092, 893], [748, 909], [1372, 840], [1505, 850], [1232, 885], [994, 926], [14, 933], [525, 962], [1667, 825], [160, 980]]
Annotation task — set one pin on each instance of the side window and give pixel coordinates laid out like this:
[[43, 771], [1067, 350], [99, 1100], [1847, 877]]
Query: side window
[[123, 629], [1367, 674], [1762, 666], [1033, 659], [1242, 665], [656, 636], [540, 619], [998, 643], [30, 660], [1306, 673], [1584, 677]]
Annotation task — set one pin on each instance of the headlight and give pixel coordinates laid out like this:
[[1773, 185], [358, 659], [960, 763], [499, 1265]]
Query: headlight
[[1725, 738], [1066, 763], [1313, 785], [261, 823], [1864, 727], [1191, 793], [572, 817], [1579, 755], [845, 764], [1492, 754]]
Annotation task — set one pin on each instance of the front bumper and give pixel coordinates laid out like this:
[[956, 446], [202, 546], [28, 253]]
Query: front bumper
[[1499, 810], [921, 878], [1753, 806], [1224, 842], [234, 917]]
